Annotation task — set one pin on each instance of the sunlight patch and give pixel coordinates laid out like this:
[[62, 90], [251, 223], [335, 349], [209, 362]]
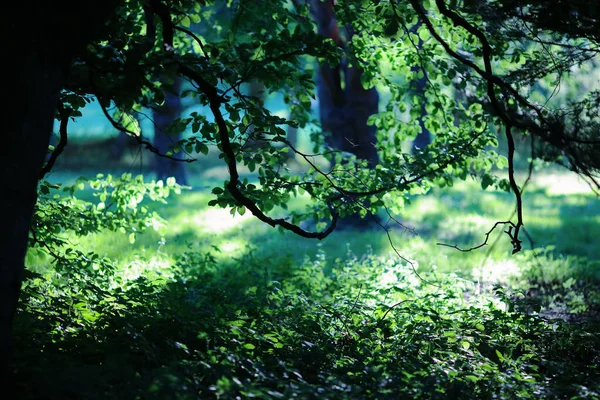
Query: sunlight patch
[[218, 220], [563, 184], [398, 274], [388, 278], [476, 220], [152, 269], [473, 223], [427, 205], [231, 246], [496, 271]]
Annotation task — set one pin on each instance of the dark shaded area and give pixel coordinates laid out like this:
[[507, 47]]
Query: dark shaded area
[[40, 56]]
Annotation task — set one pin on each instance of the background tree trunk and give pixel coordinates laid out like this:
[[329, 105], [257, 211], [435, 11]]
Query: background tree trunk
[[344, 104], [423, 139], [163, 117]]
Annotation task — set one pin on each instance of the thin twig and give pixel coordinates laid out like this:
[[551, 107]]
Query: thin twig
[[390, 309], [484, 243]]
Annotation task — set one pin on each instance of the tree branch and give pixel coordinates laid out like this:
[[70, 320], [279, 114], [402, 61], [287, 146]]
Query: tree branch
[[138, 138], [491, 80], [484, 243], [513, 184], [64, 113], [215, 101]]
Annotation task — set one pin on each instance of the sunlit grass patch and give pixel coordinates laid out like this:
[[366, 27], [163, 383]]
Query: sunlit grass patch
[[215, 220], [157, 267], [500, 271], [561, 184]]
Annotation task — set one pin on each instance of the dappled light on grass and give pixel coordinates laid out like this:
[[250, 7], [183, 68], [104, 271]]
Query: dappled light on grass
[[395, 273], [217, 220], [563, 184], [231, 247], [468, 228], [158, 267], [497, 271], [425, 205], [225, 306], [191, 213]]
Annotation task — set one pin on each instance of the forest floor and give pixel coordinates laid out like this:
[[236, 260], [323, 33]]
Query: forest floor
[[219, 306]]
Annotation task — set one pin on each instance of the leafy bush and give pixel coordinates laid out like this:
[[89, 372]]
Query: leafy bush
[[365, 327]]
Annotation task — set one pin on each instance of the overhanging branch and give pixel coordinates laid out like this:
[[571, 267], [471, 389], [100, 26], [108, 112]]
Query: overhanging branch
[[215, 101]]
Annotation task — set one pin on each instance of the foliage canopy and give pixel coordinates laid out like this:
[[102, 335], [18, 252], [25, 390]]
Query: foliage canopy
[[484, 64]]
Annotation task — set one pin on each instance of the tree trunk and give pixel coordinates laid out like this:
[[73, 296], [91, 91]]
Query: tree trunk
[[163, 117], [39, 51], [33, 90], [423, 139], [344, 104]]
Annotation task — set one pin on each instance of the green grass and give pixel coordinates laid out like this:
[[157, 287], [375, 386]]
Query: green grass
[[461, 216], [215, 306]]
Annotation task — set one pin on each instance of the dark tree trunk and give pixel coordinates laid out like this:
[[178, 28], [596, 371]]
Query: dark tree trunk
[[163, 140], [423, 139], [38, 53], [344, 104], [32, 90]]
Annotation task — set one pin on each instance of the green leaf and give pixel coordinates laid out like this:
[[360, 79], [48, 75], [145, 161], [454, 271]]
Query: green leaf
[[201, 148], [487, 180], [500, 355], [234, 116]]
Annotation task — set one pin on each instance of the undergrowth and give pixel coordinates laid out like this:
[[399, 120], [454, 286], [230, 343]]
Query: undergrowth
[[264, 328], [104, 315]]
